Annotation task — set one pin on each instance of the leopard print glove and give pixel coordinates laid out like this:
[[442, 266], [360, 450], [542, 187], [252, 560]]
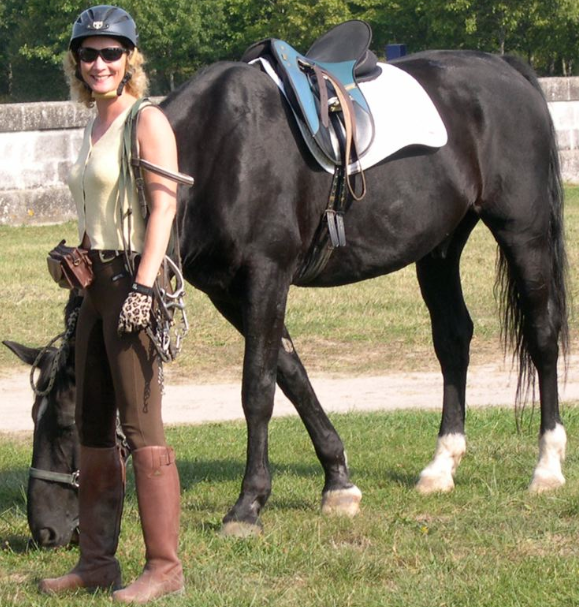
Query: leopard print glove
[[135, 313]]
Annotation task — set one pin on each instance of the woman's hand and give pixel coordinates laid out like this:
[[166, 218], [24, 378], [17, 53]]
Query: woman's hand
[[135, 313]]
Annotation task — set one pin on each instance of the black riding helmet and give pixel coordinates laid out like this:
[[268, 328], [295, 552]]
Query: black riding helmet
[[104, 20]]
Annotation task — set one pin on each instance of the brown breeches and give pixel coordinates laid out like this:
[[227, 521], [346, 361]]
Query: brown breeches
[[114, 372]]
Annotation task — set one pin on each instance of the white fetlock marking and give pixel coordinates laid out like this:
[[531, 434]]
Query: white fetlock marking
[[438, 475], [548, 474], [342, 502]]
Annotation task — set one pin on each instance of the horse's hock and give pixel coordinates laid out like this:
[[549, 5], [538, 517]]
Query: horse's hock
[[40, 141]]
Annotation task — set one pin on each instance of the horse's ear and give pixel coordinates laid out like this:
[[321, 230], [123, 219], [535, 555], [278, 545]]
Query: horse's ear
[[24, 353]]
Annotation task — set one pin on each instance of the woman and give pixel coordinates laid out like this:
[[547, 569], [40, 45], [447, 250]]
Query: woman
[[117, 365]]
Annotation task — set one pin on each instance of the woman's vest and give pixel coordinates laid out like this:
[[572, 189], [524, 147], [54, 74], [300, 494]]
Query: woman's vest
[[94, 183]]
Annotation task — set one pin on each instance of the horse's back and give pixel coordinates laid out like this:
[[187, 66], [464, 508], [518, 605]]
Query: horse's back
[[257, 185], [494, 101]]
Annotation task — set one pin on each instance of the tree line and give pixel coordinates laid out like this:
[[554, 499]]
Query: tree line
[[180, 36]]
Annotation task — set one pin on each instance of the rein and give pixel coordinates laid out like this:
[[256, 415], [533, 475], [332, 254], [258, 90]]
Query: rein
[[170, 315], [63, 348]]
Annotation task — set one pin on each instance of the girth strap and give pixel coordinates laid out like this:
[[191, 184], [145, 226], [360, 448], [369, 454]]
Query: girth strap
[[330, 233]]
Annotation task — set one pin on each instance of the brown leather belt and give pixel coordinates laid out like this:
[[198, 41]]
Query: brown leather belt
[[104, 256]]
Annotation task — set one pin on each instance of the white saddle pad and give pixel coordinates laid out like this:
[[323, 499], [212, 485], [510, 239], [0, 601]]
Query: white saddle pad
[[403, 113]]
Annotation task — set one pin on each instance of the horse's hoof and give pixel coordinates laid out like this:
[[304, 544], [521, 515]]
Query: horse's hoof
[[240, 529], [542, 483], [548, 475], [428, 484], [342, 502]]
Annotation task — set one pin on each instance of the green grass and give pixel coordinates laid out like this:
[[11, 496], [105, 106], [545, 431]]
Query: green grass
[[489, 543], [367, 328]]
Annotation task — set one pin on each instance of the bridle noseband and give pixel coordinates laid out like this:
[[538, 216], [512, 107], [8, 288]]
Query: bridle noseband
[[55, 477]]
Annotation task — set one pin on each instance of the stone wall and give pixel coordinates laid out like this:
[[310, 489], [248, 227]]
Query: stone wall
[[39, 142], [563, 97]]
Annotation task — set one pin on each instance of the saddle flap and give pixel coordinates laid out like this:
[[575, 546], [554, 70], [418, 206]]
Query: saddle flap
[[344, 72], [292, 75], [327, 139]]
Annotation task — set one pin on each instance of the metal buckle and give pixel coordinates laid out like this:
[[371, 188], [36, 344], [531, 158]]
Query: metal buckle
[[75, 479], [108, 258]]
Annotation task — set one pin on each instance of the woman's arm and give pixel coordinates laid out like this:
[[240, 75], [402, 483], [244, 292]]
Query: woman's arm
[[157, 145]]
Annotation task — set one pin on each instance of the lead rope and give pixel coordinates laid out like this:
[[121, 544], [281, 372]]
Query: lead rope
[[63, 349], [169, 333]]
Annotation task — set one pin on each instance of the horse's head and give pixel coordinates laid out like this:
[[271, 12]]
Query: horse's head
[[52, 491]]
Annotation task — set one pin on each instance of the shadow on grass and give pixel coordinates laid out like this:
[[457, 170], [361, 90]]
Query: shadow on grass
[[405, 479], [226, 470], [14, 483], [18, 544], [13, 498]]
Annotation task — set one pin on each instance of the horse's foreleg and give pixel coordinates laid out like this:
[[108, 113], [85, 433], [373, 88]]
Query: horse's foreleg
[[339, 495], [452, 328], [260, 320]]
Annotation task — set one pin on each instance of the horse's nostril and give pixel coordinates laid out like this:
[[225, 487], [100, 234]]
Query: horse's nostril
[[46, 537]]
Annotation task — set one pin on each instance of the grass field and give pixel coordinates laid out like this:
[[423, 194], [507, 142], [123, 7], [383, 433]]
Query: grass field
[[366, 328], [487, 544]]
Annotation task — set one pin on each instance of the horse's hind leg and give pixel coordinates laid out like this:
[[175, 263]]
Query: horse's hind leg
[[532, 263], [452, 328], [339, 495]]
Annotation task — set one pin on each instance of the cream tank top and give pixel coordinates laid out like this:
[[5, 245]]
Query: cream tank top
[[94, 183]]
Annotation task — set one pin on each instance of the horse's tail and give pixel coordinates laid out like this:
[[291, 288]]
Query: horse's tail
[[513, 315]]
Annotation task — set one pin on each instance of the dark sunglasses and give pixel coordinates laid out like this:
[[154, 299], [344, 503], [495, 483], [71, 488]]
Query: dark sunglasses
[[108, 55]]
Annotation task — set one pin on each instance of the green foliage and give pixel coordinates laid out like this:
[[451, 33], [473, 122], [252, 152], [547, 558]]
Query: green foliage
[[36, 34], [179, 36], [298, 21]]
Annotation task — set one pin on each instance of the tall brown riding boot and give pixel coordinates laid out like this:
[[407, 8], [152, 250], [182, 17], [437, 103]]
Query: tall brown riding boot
[[158, 495], [101, 495]]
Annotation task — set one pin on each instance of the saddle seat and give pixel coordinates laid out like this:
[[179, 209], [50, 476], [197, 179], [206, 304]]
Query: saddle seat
[[320, 83]]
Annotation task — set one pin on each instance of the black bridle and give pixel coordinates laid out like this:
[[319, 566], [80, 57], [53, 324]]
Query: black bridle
[[71, 480], [55, 477]]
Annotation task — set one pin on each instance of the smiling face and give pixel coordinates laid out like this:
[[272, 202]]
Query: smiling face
[[100, 75]]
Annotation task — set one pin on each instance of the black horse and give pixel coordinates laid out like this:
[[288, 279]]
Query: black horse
[[52, 493], [248, 224]]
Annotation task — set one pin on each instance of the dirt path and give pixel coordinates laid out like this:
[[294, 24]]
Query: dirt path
[[489, 384]]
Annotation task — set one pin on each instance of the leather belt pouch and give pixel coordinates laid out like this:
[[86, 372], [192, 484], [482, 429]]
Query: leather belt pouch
[[70, 267]]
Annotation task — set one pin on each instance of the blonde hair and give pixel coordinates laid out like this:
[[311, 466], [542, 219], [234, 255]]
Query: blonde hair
[[138, 85]]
